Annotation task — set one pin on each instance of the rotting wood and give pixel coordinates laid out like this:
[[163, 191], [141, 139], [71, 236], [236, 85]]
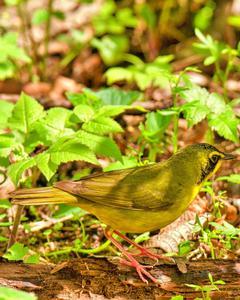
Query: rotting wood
[[97, 278]]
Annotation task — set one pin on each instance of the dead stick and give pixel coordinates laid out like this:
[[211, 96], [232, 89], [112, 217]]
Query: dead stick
[[16, 223]]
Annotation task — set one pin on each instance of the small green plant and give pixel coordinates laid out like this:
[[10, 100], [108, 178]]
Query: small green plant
[[110, 27], [207, 289], [221, 234], [42, 140], [200, 105], [12, 57], [156, 73], [19, 252], [233, 178], [153, 133], [40, 17], [216, 52]]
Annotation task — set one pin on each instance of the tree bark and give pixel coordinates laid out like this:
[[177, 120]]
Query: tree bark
[[97, 278]]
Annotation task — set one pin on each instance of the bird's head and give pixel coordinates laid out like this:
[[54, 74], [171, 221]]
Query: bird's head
[[206, 157]]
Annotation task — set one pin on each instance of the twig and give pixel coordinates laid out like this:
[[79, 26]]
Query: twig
[[16, 223]]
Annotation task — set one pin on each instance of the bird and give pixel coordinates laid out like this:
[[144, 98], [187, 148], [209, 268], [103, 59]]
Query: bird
[[135, 200]]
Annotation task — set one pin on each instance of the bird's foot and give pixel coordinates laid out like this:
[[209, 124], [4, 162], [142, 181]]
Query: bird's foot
[[144, 251], [140, 269]]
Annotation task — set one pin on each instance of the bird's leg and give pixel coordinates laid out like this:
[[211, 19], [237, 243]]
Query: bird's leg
[[130, 261], [143, 251]]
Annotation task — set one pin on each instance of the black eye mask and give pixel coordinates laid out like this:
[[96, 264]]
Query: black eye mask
[[209, 167]]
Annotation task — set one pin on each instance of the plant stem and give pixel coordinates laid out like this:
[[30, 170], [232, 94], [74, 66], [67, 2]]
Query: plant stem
[[16, 223], [176, 116], [47, 36], [226, 74], [23, 27], [85, 251]]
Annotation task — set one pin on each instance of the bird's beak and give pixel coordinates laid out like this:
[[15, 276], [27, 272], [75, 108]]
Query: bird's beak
[[228, 156]]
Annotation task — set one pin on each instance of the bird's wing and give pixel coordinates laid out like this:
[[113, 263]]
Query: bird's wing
[[138, 188]]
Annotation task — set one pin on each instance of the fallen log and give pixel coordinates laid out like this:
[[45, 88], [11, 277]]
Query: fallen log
[[97, 278]]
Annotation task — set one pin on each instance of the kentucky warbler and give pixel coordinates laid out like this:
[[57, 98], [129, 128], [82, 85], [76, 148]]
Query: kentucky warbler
[[135, 200]]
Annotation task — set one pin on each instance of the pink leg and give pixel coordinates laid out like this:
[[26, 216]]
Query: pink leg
[[143, 251], [131, 261]]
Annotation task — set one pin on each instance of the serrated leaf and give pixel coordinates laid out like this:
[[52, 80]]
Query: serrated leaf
[[70, 151], [194, 112], [225, 124], [45, 165], [99, 144], [195, 93], [15, 170], [83, 112], [25, 113], [216, 103], [102, 126], [16, 252], [111, 110]]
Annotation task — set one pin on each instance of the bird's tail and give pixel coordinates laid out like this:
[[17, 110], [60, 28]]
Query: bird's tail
[[39, 196]]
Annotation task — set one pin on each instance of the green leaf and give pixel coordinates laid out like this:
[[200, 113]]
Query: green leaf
[[184, 248], [234, 21], [178, 297], [25, 113], [83, 112], [16, 252], [40, 16], [13, 2], [125, 16], [194, 112], [111, 110], [66, 210], [15, 170], [7, 143], [225, 124], [200, 36], [195, 93], [148, 14], [233, 178], [99, 144], [71, 150], [32, 259], [4, 203], [127, 162], [5, 112], [111, 48], [102, 126], [48, 129], [155, 125], [143, 80], [13, 294], [45, 165], [114, 96], [216, 103], [209, 60], [117, 74]]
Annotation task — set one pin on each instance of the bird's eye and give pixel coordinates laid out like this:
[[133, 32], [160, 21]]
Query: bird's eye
[[214, 158]]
